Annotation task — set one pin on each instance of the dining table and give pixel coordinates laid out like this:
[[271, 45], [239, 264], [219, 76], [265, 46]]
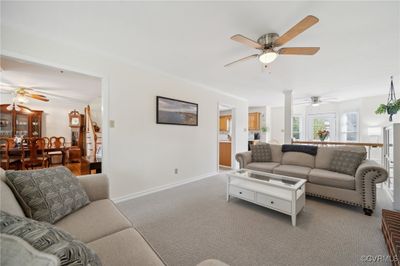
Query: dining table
[[16, 152]]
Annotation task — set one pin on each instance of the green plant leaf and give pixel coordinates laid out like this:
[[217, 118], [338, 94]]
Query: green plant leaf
[[381, 109]]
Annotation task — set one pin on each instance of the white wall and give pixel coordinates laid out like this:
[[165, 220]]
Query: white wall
[[141, 154], [55, 115], [277, 125]]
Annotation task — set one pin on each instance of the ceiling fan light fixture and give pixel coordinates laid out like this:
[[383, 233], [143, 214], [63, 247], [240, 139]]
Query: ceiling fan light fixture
[[21, 99], [10, 107], [268, 56]]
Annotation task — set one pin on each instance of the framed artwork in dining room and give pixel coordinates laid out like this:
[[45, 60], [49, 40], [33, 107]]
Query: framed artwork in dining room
[[176, 112]]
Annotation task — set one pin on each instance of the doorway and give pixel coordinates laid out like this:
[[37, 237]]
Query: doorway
[[67, 112], [226, 122]]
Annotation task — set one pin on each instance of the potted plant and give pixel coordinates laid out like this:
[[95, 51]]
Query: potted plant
[[323, 134], [392, 106], [391, 109]]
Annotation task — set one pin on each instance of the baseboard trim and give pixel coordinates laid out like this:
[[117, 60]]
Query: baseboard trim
[[163, 187]]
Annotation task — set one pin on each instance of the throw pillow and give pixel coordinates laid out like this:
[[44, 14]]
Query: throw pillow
[[49, 239], [261, 153], [16, 251], [346, 162], [47, 194]]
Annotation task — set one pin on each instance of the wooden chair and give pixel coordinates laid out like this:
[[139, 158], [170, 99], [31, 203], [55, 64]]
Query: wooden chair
[[7, 159], [56, 143], [46, 142], [37, 156]]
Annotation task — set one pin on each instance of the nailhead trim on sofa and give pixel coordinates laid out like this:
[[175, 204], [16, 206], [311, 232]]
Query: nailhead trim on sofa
[[334, 199]]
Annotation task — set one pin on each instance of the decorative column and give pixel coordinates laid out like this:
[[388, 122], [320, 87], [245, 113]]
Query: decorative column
[[288, 117]]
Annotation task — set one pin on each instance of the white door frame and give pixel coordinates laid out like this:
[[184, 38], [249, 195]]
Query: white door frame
[[233, 133], [105, 89]]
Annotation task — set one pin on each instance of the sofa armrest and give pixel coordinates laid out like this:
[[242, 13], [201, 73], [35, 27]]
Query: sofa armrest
[[368, 174], [96, 186], [243, 158]]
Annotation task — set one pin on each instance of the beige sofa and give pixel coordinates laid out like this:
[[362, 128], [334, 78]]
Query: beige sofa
[[359, 190], [99, 224]]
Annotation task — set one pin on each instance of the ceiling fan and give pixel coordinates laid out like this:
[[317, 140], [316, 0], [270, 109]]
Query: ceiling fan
[[268, 43], [315, 100], [22, 96]]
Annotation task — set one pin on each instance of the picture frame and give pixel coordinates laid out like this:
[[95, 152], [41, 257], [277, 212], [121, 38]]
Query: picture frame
[[176, 112]]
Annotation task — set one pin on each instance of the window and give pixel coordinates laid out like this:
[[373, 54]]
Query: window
[[297, 127], [349, 128], [321, 122]]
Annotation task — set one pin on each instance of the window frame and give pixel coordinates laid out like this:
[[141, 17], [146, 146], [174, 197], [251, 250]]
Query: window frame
[[341, 132]]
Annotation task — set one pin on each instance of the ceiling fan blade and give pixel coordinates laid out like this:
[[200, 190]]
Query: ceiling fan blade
[[299, 51], [306, 23], [242, 59], [37, 97], [246, 41]]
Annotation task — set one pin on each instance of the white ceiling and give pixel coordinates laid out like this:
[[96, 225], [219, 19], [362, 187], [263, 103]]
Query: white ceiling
[[360, 41], [53, 82]]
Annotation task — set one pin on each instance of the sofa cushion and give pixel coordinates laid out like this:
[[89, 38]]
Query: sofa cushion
[[261, 153], [49, 239], [9, 203], [125, 248], [298, 158], [264, 167], [47, 194], [332, 179], [16, 251], [325, 154], [292, 170], [346, 162], [98, 219], [276, 151]]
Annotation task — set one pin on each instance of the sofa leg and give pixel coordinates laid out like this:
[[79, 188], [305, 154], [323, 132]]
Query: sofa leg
[[368, 212]]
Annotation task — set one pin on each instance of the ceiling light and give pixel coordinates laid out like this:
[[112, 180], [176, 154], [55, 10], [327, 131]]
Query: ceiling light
[[268, 56], [21, 99], [315, 104]]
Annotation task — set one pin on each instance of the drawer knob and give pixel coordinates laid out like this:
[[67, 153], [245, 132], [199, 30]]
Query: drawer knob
[[240, 192], [272, 202]]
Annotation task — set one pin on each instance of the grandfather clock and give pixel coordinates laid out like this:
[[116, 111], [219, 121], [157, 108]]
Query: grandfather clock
[[75, 122]]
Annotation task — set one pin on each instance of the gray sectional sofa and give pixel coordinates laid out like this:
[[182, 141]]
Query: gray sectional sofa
[[358, 190], [100, 225]]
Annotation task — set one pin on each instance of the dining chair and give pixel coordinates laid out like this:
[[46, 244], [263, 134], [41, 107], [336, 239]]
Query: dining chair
[[56, 157], [7, 158], [46, 142], [36, 151]]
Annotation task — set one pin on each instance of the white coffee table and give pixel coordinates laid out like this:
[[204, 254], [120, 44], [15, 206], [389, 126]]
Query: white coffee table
[[277, 192]]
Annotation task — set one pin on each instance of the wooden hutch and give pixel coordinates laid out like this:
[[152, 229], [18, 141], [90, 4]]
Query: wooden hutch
[[25, 122]]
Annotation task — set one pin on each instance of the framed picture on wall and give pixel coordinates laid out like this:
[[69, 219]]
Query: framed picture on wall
[[176, 112]]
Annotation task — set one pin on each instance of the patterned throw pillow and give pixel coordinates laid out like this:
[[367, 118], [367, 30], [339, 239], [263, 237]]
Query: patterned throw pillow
[[261, 153], [346, 162], [47, 194], [49, 239]]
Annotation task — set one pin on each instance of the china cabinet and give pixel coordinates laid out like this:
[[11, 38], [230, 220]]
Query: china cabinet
[[391, 161], [25, 122]]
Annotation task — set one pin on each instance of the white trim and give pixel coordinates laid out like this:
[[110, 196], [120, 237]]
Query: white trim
[[163, 187]]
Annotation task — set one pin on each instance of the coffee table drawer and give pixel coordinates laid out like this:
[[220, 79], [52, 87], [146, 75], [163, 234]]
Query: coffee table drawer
[[242, 193], [273, 202]]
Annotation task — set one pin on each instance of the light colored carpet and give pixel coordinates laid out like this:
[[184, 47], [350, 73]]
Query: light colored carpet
[[193, 222]]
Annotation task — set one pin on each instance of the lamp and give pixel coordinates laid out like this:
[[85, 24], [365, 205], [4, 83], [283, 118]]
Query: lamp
[[268, 56]]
